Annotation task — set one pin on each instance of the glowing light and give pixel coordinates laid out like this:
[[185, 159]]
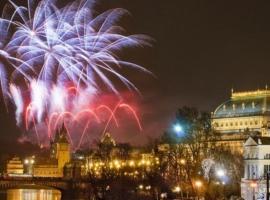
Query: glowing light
[[32, 33], [178, 128], [176, 189], [220, 173], [183, 161], [198, 184], [253, 184]]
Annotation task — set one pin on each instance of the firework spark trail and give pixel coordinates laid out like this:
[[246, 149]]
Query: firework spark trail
[[60, 58], [110, 118], [18, 100], [124, 105], [49, 132], [82, 136], [86, 114], [110, 111]]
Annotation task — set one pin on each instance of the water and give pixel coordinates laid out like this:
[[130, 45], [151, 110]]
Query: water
[[30, 194]]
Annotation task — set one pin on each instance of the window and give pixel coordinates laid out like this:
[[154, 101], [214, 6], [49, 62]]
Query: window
[[256, 122], [267, 156], [266, 169]]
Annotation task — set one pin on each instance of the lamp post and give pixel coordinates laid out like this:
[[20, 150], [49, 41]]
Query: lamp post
[[198, 185], [177, 189], [253, 185], [267, 185]]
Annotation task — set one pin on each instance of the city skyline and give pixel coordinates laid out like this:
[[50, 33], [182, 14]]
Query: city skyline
[[145, 99], [200, 52]]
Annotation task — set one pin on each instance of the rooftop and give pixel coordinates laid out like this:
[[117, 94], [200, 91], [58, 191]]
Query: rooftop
[[242, 104]]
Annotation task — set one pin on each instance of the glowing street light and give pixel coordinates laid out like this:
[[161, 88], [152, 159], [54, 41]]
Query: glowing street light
[[178, 128], [220, 173], [198, 184], [253, 185], [177, 189], [182, 161]]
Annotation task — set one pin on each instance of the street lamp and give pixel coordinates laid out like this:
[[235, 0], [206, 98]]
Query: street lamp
[[253, 185], [177, 189], [182, 161], [178, 128], [198, 185], [220, 173]]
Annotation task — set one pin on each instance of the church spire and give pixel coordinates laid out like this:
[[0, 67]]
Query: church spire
[[61, 135]]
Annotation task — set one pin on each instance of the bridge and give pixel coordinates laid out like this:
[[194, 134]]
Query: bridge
[[61, 184]]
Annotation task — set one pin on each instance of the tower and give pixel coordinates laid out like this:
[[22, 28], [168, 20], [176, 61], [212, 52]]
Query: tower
[[60, 148]]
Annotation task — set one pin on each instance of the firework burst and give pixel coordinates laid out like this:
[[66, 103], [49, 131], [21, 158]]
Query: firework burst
[[54, 60]]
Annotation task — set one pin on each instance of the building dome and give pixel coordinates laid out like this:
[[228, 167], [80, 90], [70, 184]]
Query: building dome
[[243, 104]]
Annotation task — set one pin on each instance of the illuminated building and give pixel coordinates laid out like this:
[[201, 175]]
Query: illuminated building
[[257, 164], [15, 166], [244, 114], [29, 164], [60, 156], [119, 159]]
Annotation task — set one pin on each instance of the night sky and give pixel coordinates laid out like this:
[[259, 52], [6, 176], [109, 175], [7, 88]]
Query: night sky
[[201, 50]]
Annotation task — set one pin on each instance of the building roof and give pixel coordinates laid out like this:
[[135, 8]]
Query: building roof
[[257, 140], [243, 104], [262, 140], [108, 140]]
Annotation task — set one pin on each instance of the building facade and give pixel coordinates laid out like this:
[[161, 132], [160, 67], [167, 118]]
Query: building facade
[[60, 152], [256, 164], [244, 114], [15, 167]]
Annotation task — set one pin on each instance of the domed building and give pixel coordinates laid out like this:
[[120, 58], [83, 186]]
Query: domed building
[[244, 114]]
